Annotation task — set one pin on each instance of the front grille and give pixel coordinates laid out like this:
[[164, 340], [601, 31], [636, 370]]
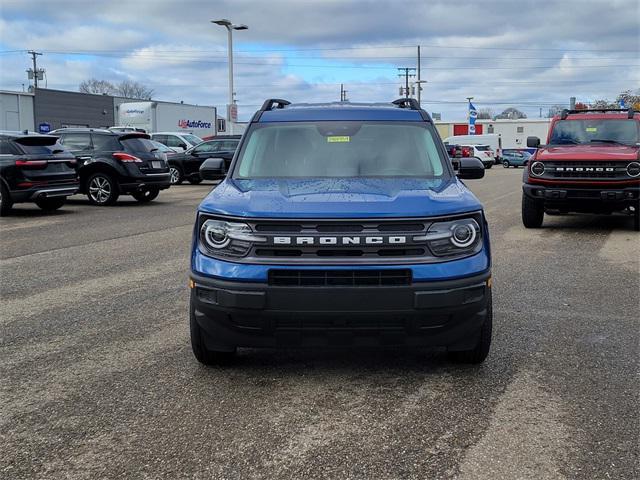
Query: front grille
[[346, 240], [339, 278], [587, 170]]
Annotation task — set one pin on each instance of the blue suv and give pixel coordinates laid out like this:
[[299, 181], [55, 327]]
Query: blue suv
[[341, 225]]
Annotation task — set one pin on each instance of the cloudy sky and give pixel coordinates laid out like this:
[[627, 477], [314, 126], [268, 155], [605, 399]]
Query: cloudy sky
[[527, 54]]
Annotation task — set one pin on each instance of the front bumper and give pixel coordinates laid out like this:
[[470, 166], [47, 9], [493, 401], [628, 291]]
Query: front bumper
[[436, 314], [583, 198]]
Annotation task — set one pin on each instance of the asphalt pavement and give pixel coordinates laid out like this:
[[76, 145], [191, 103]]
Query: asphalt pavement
[[97, 378]]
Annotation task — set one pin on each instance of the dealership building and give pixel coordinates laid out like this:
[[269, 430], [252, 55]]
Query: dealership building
[[57, 108]]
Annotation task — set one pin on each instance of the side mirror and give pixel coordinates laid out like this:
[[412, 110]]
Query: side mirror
[[470, 168], [212, 169], [183, 146], [533, 142]]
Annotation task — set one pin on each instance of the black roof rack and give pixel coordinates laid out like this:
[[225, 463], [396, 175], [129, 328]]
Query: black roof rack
[[278, 103], [410, 103], [566, 112], [272, 103]]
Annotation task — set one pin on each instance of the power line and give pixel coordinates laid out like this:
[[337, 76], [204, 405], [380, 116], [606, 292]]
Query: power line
[[430, 46]]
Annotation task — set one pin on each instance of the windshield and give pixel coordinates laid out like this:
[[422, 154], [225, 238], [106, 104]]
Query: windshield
[[340, 149], [192, 139], [577, 132]]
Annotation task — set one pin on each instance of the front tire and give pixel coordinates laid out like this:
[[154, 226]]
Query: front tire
[[50, 204], [532, 212], [480, 352], [488, 166], [102, 189], [195, 180], [505, 164], [146, 196], [198, 345], [5, 201]]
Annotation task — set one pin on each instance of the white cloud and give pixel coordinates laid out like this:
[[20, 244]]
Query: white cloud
[[172, 47]]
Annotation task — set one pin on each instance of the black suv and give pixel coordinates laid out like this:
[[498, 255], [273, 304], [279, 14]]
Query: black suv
[[187, 165], [115, 163], [35, 168]]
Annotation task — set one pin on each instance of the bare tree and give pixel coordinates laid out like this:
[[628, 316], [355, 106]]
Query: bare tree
[[133, 89], [602, 103], [512, 114], [555, 110], [485, 113], [95, 86], [630, 99]]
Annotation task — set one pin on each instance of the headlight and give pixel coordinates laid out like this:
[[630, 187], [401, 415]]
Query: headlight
[[221, 238], [537, 168], [454, 237]]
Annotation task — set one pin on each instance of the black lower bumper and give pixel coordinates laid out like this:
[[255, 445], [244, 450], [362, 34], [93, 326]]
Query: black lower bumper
[[42, 192], [436, 314], [584, 199], [148, 182]]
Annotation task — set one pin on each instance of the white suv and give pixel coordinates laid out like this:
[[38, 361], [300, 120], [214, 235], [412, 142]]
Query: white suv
[[177, 141], [482, 153]]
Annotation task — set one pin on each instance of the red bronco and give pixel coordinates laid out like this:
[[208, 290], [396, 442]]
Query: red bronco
[[590, 164]]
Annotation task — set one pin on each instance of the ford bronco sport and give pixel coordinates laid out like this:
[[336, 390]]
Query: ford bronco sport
[[590, 164], [341, 224]]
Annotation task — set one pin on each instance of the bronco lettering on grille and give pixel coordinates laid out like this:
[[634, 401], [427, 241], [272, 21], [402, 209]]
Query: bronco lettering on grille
[[351, 240]]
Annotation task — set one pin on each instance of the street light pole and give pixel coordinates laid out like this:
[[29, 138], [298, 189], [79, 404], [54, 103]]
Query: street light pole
[[230, 28]]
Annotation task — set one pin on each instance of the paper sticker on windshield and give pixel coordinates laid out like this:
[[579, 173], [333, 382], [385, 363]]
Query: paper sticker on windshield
[[338, 139], [592, 129]]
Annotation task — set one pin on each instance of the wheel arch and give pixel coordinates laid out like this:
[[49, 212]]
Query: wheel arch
[[97, 167]]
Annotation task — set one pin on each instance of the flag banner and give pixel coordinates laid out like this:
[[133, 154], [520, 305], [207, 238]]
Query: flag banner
[[472, 119]]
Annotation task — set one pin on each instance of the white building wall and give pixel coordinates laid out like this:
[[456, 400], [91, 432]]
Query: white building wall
[[16, 111], [513, 133]]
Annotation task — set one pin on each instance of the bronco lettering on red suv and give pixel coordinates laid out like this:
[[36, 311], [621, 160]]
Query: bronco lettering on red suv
[[590, 164]]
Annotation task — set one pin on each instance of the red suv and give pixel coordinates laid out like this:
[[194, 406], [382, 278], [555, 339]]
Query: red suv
[[590, 164]]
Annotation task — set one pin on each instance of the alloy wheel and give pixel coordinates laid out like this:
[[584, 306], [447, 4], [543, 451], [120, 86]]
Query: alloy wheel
[[100, 189], [175, 175]]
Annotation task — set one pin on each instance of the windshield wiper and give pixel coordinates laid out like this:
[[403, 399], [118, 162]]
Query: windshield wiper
[[606, 140], [565, 141]]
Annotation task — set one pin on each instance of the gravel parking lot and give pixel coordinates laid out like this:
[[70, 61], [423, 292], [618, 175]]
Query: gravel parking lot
[[98, 378]]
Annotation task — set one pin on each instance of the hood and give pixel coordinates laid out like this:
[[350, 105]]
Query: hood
[[339, 198], [596, 152]]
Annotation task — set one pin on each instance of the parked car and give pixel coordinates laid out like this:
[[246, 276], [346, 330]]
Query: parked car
[[482, 153], [186, 166], [177, 141], [341, 225], [163, 148], [515, 158], [126, 129], [111, 164], [590, 164], [492, 139], [35, 168]]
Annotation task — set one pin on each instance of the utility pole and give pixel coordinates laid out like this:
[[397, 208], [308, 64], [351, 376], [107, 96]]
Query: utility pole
[[34, 54], [343, 93], [406, 76], [419, 82]]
